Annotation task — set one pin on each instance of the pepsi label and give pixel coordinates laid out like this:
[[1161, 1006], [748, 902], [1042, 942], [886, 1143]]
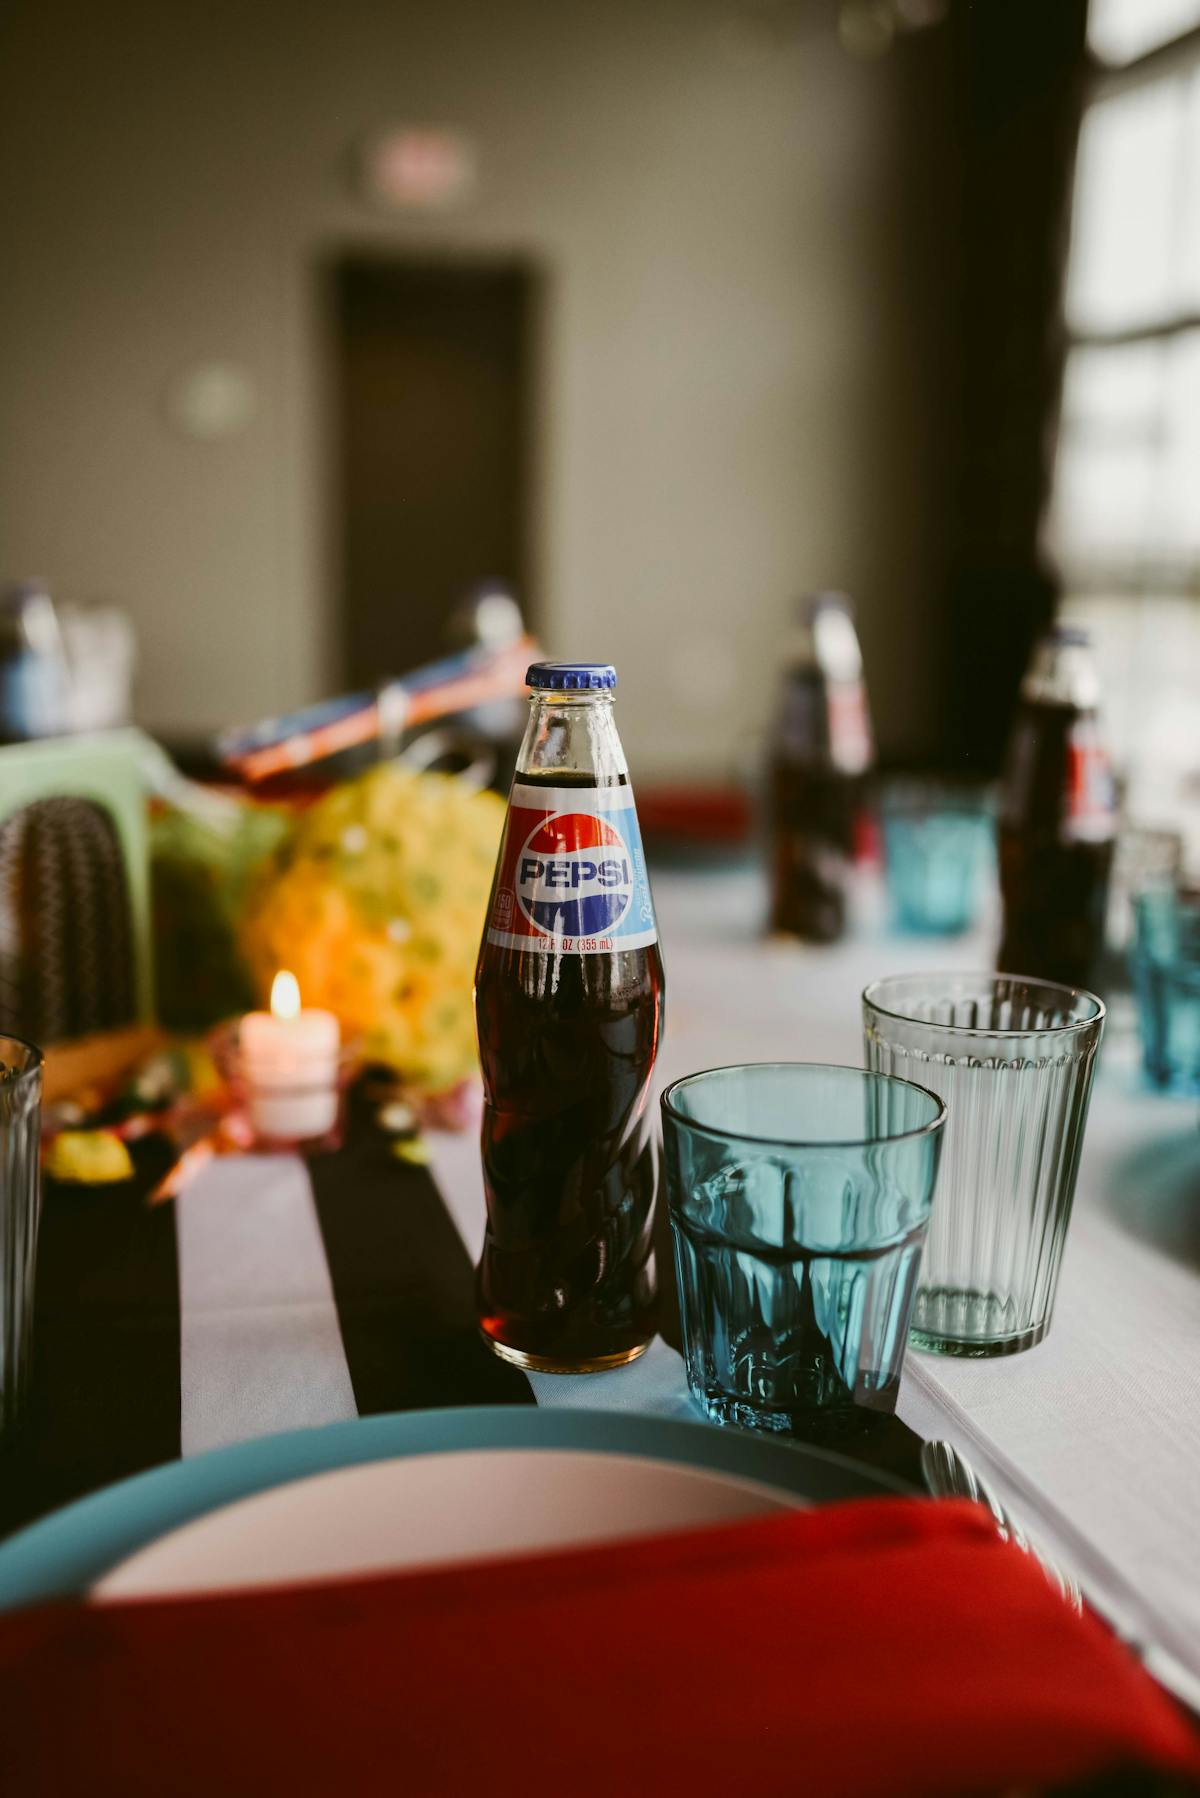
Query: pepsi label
[[572, 877], [1091, 808]]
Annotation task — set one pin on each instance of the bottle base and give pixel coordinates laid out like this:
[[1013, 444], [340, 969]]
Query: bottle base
[[531, 1363]]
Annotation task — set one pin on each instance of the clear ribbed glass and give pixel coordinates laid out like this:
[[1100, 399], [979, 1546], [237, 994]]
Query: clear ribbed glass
[[20, 1195], [799, 1197], [1014, 1061]]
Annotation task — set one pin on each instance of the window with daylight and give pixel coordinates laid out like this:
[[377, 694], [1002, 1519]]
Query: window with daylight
[[1124, 521]]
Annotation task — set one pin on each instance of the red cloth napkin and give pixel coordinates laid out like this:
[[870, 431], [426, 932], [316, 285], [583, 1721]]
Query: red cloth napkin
[[890, 1647]]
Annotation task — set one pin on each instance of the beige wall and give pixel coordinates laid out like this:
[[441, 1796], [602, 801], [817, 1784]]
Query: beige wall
[[711, 212]]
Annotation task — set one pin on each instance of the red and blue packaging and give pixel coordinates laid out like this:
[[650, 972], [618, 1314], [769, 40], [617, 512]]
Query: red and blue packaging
[[572, 875]]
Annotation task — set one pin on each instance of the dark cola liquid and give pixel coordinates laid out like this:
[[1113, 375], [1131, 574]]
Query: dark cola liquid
[[1054, 885], [814, 804], [568, 1042], [813, 813]]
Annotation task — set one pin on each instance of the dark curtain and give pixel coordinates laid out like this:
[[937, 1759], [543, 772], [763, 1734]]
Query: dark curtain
[[1015, 71]]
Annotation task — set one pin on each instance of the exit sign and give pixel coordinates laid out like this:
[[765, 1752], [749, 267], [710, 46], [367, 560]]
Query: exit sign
[[421, 168]]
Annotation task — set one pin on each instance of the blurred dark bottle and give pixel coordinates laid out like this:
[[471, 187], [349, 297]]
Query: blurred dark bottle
[[1058, 818], [35, 691], [820, 756]]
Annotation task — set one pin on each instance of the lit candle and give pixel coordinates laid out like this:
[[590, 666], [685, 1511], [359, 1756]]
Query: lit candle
[[290, 1066]]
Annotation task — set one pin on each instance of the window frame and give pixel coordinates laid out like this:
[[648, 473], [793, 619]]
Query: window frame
[[1139, 575]]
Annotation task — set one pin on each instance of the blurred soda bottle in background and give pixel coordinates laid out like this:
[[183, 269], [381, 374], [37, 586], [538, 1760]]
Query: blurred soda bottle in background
[[1058, 818], [820, 756], [35, 690], [569, 1007]]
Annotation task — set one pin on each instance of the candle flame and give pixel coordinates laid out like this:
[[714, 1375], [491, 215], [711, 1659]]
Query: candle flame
[[285, 995]]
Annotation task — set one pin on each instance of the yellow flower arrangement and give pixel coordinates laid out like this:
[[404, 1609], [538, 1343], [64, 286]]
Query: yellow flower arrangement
[[376, 901]]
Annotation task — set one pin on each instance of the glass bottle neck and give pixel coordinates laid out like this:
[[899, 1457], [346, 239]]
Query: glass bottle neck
[[1062, 674], [573, 735], [825, 640]]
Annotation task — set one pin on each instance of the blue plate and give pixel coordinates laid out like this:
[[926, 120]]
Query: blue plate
[[68, 1552]]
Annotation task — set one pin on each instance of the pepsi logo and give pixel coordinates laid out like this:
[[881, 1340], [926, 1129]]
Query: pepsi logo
[[574, 876]]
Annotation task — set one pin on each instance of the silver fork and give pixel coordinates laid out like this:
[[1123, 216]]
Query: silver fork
[[950, 1475]]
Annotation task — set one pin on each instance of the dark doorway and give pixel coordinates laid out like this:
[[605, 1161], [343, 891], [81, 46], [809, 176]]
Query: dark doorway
[[433, 364]]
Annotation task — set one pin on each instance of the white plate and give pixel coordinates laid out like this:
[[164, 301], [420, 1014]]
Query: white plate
[[523, 1477], [434, 1509]]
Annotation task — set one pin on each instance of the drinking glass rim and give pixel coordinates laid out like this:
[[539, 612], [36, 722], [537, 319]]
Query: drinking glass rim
[[1054, 986], [793, 1142], [34, 1067], [905, 806]]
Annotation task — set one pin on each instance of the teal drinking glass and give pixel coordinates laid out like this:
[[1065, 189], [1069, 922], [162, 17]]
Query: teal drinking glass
[[1165, 963], [938, 848], [799, 1197]]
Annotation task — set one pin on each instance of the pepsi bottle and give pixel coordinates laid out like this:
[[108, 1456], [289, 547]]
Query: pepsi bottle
[[1058, 818], [820, 756], [35, 682], [569, 1009]]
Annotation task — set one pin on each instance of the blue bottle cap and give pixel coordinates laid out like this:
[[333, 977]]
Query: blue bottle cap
[[571, 677]]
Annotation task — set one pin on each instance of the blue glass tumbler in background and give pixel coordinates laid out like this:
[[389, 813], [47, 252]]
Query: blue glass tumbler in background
[[937, 843], [1165, 964], [799, 1198]]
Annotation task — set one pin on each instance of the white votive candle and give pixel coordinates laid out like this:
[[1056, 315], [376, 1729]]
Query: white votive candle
[[289, 1060]]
